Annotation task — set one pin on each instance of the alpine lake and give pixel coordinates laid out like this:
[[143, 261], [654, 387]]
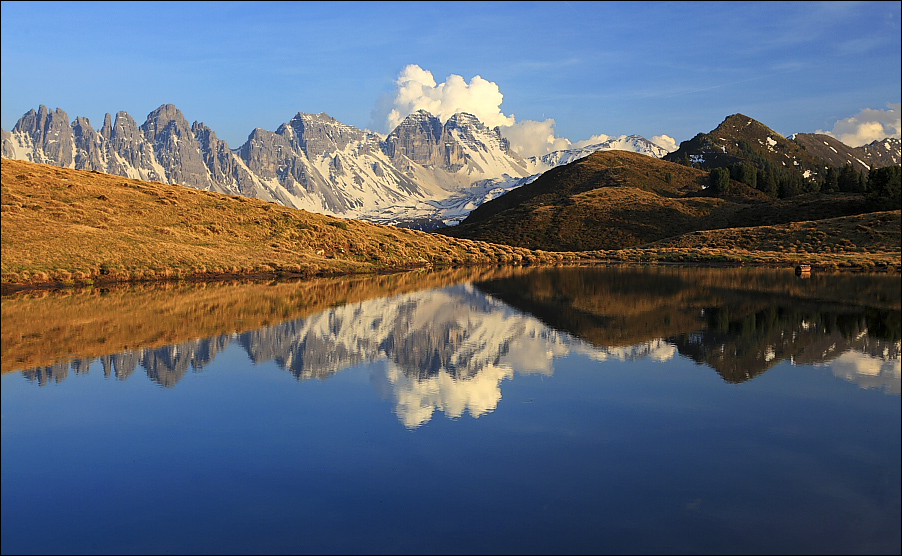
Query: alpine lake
[[657, 409]]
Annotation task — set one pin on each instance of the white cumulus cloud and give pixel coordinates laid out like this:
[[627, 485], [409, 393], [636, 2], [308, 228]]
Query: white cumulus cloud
[[416, 89], [868, 125], [532, 138], [665, 142]]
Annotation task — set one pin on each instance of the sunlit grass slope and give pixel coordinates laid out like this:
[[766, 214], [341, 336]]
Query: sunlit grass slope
[[62, 225], [627, 206], [69, 227]]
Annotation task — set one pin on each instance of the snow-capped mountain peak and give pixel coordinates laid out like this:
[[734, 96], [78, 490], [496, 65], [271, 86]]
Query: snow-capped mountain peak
[[423, 174]]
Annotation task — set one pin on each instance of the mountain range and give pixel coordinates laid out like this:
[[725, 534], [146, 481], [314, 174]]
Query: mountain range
[[424, 174], [877, 154], [742, 174]]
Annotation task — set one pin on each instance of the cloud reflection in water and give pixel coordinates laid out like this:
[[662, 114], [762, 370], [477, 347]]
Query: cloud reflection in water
[[448, 349]]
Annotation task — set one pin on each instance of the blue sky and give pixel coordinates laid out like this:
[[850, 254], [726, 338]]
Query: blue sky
[[651, 69]]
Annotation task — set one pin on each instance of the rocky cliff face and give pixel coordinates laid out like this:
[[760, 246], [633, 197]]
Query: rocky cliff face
[[418, 138], [423, 171], [87, 146], [47, 134], [175, 148]]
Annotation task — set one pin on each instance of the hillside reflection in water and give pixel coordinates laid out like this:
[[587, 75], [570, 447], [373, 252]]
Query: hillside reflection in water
[[449, 348], [643, 410]]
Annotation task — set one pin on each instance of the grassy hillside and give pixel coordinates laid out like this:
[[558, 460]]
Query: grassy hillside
[[75, 226], [618, 200], [63, 227], [864, 242], [608, 200]]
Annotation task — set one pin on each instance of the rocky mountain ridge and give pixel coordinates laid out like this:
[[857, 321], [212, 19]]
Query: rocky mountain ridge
[[423, 174], [876, 154]]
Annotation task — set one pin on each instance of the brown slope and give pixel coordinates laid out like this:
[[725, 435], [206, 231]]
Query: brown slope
[[63, 225], [835, 153], [608, 200], [617, 200], [605, 218], [874, 232]]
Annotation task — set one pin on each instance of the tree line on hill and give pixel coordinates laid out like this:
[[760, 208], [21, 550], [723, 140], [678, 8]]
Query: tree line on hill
[[881, 186]]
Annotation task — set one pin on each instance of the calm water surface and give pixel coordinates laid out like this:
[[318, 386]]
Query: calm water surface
[[601, 410]]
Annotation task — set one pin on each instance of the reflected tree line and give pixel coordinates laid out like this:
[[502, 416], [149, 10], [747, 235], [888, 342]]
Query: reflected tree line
[[742, 346], [740, 322]]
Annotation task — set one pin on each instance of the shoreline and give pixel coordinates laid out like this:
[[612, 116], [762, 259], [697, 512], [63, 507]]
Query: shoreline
[[647, 257]]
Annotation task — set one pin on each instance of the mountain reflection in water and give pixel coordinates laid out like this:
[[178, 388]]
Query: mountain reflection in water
[[449, 348]]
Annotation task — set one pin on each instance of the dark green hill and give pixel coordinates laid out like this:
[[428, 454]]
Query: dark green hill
[[742, 139], [776, 165]]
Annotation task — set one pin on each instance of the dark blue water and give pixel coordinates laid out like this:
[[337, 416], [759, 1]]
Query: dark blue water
[[499, 416]]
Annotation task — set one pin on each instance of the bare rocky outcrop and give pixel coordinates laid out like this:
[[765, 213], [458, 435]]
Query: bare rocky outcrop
[[129, 153], [418, 138], [88, 146], [320, 134], [49, 135], [175, 148]]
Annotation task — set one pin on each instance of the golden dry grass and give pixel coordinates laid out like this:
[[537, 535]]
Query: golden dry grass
[[866, 241], [73, 226]]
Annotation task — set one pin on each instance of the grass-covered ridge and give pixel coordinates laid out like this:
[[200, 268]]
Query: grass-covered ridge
[[73, 227], [62, 225], [626, 206]]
